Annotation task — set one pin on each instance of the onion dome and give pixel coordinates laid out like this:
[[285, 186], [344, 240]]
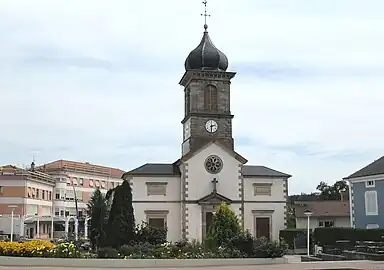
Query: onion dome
[[206, 56]]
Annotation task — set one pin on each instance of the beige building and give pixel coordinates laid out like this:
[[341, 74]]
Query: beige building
[[183, 195], [27, 193], [43, 199], [324, 214]]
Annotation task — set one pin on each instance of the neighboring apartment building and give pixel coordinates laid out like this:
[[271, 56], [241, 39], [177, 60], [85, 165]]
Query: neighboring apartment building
[[324, 214], [77, 180], [27, 193], [367, 196], [45, 195]]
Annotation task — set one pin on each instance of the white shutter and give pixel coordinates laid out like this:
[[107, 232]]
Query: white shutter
[[371, 207]]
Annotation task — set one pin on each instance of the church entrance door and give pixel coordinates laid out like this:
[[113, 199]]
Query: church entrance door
[[208, 221], [263, 227]]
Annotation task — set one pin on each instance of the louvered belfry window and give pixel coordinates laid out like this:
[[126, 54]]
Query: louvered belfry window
[[210, 98]]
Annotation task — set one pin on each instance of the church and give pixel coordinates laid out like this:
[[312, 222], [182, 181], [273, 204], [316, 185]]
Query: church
[[182, 196]]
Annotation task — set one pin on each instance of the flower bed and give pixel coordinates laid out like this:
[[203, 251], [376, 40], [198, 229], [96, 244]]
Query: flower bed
[[39, 248], [238, 248]]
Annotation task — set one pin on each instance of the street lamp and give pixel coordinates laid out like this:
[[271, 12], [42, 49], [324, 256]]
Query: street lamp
[[308, 213], [12, 207]]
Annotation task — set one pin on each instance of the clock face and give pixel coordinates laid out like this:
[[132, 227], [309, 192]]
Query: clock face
[[211, 126]]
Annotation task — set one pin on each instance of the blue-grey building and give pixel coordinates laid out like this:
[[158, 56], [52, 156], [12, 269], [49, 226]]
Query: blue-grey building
[[367, 196]]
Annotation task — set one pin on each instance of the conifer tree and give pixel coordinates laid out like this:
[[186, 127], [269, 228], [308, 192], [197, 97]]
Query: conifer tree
[[121, 220]]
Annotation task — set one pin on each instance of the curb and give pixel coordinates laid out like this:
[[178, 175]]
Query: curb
[[133, 263]]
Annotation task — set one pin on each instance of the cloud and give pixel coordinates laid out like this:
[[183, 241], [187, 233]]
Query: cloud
[[97, 81]]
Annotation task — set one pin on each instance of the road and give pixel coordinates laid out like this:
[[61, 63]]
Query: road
[[360, 265]]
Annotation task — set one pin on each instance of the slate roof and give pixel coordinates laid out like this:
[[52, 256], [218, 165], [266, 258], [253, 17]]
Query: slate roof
[[168, 169], [255, 170], [322, 208], [376, 167]]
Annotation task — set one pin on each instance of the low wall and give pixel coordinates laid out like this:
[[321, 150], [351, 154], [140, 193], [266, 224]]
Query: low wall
[[133, 263]]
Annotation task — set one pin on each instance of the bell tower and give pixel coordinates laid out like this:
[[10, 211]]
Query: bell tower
[[207, 110]]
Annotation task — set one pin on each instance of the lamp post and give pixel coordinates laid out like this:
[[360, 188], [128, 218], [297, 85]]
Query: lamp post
[[12, 207], [308, 213]]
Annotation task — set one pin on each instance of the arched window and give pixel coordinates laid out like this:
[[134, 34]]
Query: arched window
[[210, 98]]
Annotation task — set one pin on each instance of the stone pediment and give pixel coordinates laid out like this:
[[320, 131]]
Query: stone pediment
[[214, 198]]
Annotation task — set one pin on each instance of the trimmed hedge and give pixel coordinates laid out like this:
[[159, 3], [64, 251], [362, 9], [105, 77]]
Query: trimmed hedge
[[329, 236], [289, 235]]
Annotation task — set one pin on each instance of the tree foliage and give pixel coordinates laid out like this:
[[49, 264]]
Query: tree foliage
[[96, 209], [121, 220], [225, 225]]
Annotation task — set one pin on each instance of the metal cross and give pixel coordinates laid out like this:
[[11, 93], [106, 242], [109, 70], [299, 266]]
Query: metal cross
[[205, 14], [214, 182]]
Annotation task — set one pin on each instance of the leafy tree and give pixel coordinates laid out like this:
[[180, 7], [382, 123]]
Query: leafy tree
[[225, 225], [332, 192], [96, 209], [121, 220]]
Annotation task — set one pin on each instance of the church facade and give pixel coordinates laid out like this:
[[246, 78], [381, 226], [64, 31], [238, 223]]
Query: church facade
[[183, 195]]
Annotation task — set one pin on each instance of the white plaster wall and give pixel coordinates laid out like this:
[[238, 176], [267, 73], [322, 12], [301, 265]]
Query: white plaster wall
[[301, 223], [195, 230], [277, 217], [277, 189], [199, 180], [173, 217], [139, 189]]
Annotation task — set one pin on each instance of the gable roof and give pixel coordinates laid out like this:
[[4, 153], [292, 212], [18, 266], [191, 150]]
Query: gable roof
[[171, 169], [322, 208], [254, 170], [233, 153], [214, 197], [374, 168], [164, 169]]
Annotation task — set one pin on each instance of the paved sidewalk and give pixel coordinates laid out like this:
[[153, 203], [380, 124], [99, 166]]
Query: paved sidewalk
[[358, 265]]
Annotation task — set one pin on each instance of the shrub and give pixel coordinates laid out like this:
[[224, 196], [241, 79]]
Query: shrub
[[243, 242], [144, 233], [108, 253], [329, 236], [289, 236], [269, 249], [225, 225]]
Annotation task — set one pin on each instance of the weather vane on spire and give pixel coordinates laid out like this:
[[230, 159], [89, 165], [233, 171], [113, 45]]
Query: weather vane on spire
[[205, 14]]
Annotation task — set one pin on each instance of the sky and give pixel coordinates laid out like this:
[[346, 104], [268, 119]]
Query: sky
[[97, 81]]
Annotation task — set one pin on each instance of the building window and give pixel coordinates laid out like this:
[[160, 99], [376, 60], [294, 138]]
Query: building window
[[103, 184], [156, 188], [57, 213], [66, 213], [61, 212], [370, 183], [327, 223], [81, 181], [91, 183], [210, 98], [372, 226], [213, 164], [262, 189], [1, 190], [371, 207], [57, 196], [74, 181], [157, 218]]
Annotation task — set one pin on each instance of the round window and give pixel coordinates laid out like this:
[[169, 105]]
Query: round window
[[213, 164]]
